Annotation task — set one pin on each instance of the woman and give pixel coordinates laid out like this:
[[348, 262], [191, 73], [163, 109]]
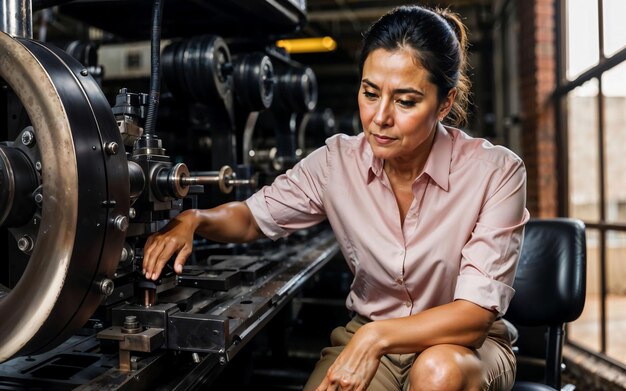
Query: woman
[[429, 220]]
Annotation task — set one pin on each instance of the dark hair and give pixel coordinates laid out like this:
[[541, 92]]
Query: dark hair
[[439, 40]]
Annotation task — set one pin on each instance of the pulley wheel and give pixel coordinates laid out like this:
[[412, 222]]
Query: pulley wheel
[[296, 89], [200, 68], [254, 81], [84, 194]]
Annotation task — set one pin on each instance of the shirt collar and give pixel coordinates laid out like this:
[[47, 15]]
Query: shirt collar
[[437, 164], [373, 165]]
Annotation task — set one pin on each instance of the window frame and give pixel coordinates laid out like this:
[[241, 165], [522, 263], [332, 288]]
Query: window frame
[[564, 86]]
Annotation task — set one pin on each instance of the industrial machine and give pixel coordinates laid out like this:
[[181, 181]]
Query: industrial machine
[[85, 178]]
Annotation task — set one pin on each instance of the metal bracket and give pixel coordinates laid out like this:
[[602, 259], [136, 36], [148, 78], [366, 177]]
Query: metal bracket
[[144, 341]]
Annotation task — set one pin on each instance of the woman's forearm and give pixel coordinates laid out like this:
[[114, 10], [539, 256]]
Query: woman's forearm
[[460, 323], [232, 223]]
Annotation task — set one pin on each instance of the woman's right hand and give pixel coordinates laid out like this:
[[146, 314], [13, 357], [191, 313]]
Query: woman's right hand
[[175, 238], [228, 223]]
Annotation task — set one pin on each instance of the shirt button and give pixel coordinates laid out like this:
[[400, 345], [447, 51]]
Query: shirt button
[[407, 303]]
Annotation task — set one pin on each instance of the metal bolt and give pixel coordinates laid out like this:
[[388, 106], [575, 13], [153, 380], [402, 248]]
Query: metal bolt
[[25, 244], [222, 361], [106, 286], [130, 319], [131, 325], [124, 255], [38, 198], [195, 357], [28, 138], [111, 147], [132, 213], [38, 166], [121, 223], [84, 72]]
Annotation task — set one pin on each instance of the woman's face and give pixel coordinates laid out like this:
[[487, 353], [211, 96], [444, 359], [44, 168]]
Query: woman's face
[[398, 105]]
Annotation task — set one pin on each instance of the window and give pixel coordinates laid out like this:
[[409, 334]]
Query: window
[[592, 96]]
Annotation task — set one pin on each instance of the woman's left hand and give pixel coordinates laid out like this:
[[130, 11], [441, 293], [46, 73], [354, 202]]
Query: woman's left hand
[[355, 367]]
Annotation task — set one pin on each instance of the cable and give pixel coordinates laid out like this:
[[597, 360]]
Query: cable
[[155, 71]]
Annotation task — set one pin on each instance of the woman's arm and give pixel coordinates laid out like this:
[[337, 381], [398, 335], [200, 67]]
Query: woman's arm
[[292, 202], [460, 323], [232, 222]]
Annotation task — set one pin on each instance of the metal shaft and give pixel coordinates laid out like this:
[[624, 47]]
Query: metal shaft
[[208, 180], [238, 182], [16, 18], [200, 180]]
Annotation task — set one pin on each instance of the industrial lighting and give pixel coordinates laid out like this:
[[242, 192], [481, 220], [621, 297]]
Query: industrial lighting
[[308, 45]]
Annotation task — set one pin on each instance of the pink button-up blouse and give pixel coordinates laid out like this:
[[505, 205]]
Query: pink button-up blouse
[[461, 237]]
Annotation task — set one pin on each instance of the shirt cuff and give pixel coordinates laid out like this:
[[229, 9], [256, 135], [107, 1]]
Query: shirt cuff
[[485, 292], [263, 217]]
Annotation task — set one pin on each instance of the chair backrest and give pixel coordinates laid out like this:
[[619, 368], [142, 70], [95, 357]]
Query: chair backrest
[[551, 274], [550, 284]]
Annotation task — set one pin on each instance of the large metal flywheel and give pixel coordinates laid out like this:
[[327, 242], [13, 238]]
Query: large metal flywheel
[[71, 162]]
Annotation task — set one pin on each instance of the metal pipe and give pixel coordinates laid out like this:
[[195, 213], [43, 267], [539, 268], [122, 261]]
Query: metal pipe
[[554, 355], [16, 18]]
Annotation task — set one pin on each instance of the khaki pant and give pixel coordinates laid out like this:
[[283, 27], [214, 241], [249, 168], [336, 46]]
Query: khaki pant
[[393, 371]]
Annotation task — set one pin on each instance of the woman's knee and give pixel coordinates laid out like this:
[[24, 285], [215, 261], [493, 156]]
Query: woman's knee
[[446, 368]]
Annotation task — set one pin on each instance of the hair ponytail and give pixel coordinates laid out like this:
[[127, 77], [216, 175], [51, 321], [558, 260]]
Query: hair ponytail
[[458, 113]]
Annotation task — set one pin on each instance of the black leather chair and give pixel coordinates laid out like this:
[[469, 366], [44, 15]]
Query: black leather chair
[[550, 288]]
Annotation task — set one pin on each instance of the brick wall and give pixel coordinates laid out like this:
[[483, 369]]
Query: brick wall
[[537, 82]]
